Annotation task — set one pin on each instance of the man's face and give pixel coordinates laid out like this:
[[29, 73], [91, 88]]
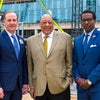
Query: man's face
[[88, 22], [46, 25], [11, 22]]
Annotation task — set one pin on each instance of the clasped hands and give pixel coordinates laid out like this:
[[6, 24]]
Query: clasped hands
[[83, 83]]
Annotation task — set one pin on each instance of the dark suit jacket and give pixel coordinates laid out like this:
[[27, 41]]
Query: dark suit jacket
[[87, 65], [11, 68]]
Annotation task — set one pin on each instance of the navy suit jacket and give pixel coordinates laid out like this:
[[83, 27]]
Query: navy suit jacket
[[87, 65], [12, 70]]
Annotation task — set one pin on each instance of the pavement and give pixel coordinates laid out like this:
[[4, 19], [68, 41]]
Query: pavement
[[28, 97]]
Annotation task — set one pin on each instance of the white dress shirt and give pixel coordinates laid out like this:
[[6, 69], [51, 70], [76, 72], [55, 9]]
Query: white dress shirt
[[9, 34], [90, 34], [49, 39]]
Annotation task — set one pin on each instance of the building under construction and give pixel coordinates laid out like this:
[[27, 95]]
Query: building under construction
[[65, 12]]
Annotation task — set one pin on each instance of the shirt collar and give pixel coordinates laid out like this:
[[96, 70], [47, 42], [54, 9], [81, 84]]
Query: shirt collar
[[90, 33], [49, 36], [9, 33]]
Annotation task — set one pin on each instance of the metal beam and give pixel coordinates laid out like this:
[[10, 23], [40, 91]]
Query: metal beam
[[91, 5], [77, 8], [18, 1]]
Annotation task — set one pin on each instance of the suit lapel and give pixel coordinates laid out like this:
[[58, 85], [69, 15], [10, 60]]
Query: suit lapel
[[21, 45], [90, 41], [54, 41], [7, 39], [40, 43]]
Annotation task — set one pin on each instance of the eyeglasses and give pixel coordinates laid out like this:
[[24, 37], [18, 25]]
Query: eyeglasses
[[88, 20]]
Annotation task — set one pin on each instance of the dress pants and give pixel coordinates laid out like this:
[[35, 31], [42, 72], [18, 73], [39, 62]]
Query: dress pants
[[65, 95], [88, 95], [15, 94]]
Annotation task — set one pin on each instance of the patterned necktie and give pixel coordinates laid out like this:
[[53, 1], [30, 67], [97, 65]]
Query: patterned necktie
[[45, 44], [85, 42], [15, 44]]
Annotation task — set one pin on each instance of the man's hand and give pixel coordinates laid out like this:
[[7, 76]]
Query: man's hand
[[1, 93], [32, 91], [25, 88], [83, 83]]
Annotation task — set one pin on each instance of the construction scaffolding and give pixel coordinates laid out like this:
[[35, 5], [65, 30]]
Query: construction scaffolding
[[91, 5], [77, 8], [17, 1]]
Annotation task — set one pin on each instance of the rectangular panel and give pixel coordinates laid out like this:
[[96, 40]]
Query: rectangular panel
[[18, 1]]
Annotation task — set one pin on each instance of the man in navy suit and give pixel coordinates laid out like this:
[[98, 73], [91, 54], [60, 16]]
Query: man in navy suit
[[13, 69], [86, 59]]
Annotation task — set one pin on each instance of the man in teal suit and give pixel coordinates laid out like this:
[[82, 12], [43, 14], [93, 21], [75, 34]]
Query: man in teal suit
[[13, 68], [86, 60]]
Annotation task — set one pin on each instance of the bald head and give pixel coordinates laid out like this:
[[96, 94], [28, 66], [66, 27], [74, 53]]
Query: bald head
[[46, 24], [46, 16]]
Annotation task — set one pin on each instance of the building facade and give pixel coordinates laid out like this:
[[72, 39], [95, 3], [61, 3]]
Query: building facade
[[29, 13]]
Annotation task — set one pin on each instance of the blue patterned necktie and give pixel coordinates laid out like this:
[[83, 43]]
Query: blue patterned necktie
[[85, 42], [15, 44]]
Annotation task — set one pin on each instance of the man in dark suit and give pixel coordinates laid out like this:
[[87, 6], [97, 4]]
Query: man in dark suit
[[13, 66], [86, 59]]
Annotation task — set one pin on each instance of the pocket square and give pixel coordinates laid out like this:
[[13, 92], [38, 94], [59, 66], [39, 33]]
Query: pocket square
[[93, 45]]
